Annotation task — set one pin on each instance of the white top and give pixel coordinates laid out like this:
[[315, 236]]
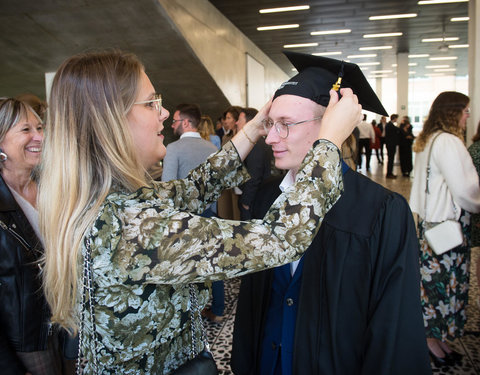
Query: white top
[[453, 180], [366, 130], [30, 212]]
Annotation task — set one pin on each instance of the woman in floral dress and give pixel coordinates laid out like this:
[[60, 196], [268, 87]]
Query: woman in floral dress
[[454, 191]]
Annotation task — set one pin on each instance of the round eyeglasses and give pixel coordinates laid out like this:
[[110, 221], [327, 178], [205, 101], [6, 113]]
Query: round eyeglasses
[[282, 128], [156, 103]]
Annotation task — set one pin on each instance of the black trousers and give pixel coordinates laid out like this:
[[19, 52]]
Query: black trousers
[[391, 158], [406, 163]]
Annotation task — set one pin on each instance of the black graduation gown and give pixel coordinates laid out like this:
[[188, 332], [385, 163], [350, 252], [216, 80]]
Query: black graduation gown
[[359, 309]]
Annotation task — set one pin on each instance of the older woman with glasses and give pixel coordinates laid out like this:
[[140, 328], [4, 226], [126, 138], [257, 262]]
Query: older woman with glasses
[[121, 248]]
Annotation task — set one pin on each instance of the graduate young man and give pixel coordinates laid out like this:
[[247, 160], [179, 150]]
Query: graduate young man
[[351, 304]]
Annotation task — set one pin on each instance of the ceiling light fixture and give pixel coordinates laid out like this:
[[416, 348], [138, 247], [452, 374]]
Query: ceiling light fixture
[[382, 35], [418, 56], [459, 19], [284, 9], [443, 58], [278, 27], [446, 70], [330, 32], [436, 66], [434, 75], [381, 71], [458, 46], [394, 65], [431, 40], [430, 2], [411, 72], [379, 76], [374, 48], [368, 64], [392, 16], [327, 53], [300, 45], [361, 56]]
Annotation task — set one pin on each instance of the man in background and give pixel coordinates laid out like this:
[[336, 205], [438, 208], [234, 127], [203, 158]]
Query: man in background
[[392, 138], [366, 138], [182, 156]]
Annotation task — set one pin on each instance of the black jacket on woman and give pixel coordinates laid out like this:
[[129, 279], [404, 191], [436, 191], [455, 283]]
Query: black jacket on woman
[[24, 313]]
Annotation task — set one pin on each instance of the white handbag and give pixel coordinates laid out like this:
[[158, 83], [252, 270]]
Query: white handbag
[[446, 235]]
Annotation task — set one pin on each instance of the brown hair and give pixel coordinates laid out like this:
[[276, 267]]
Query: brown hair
[[37, 104], [444, 115]]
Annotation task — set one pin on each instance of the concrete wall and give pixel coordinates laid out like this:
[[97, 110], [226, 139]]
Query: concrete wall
[[221, 47]]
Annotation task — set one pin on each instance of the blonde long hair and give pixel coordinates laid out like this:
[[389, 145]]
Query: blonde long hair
[[444, 115], [87, 150]]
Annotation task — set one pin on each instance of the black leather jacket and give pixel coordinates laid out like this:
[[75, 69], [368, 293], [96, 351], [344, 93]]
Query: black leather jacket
[[24, 313]]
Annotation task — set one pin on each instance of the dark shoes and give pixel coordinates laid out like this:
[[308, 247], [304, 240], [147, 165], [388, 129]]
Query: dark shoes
[[391, 176], [207, 313], [455, 357], [450, 359]]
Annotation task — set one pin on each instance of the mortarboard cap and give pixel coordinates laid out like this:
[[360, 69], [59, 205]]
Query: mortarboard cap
[[316, 76]]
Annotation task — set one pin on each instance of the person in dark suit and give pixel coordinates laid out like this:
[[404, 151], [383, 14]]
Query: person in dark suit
[[405, 146], [351, 304], [392, 135], [381, 125], [257, 163]]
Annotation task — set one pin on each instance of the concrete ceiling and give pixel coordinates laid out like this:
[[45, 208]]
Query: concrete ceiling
[[432, 21], [37, 35]]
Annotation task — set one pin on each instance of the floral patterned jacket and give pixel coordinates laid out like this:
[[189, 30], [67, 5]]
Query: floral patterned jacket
[[148, 245]]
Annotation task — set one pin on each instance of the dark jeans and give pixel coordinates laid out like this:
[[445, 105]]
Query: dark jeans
[[382, 142], [218, 291], [364, 144], [218, 298]]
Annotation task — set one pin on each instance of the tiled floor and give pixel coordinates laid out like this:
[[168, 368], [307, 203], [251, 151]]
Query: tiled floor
[[220, 335]]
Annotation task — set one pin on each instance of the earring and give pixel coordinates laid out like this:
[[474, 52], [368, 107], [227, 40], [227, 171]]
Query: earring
[[3, 156]]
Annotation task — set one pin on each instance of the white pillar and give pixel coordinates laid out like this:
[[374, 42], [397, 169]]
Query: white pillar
[[378, 88], [48, 84], [402, 84], [473, 68]]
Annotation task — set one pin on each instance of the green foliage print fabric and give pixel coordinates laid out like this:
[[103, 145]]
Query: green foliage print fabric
[[146, 247]]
